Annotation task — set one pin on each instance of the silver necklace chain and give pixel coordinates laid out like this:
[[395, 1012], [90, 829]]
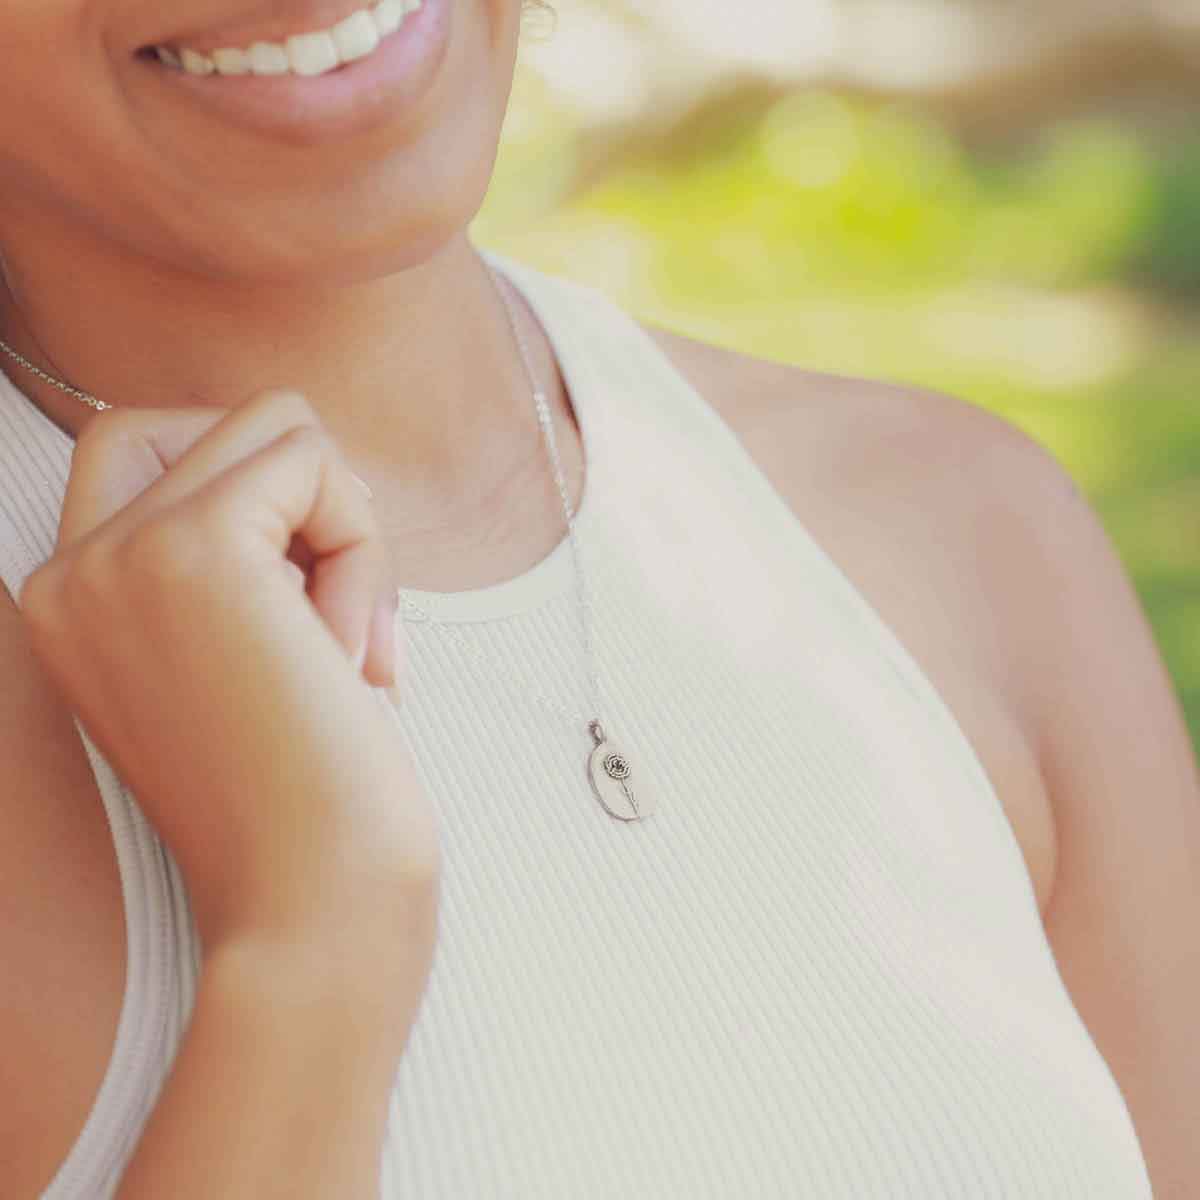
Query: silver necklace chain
[[608, 769], [86, 397]]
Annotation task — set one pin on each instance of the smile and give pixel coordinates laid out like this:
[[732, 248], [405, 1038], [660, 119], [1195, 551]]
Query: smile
[[372, 70], [306, 54]]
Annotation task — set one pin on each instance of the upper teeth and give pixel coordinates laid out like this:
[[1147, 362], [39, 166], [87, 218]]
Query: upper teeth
[[304, 54]]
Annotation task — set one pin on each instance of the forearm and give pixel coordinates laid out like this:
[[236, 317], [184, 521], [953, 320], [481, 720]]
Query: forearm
[[281, 1085]]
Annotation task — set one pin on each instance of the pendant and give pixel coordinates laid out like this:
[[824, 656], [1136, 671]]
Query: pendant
[[609, 772]]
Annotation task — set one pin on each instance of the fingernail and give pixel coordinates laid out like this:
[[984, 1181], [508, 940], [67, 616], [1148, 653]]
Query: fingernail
[[360, 657]]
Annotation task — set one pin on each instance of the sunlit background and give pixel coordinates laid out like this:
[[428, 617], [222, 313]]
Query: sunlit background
[[996, 198]]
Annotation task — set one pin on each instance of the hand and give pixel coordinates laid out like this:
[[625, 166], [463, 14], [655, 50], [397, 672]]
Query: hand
[[215, 572]]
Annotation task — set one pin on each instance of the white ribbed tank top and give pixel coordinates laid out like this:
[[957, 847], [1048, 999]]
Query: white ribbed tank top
[[817, 970]]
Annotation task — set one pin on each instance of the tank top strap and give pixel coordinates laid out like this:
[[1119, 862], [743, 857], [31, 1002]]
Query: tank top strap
[[35, 462]]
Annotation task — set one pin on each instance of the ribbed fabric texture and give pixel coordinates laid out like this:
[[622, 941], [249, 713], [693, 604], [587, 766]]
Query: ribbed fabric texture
[[817, 970]]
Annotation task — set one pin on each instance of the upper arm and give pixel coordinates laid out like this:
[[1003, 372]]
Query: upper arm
[[1121, 773], [61, 924]]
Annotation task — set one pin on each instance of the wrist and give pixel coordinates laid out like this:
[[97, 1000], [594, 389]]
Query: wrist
[[327, 987], [345, 908]]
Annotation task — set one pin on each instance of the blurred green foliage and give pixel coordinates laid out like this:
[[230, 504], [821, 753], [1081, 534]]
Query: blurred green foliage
[[1054, 279]]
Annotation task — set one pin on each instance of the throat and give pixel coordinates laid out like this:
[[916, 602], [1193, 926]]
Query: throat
[[501, 534]]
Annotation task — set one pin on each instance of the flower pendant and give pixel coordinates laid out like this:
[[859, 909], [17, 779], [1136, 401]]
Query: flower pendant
[[609, 772]]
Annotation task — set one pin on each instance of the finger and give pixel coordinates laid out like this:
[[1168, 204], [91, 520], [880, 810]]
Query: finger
[[295, 576], [345, 589], [296, 485], [119, 455], [229, 437], [383, 650]]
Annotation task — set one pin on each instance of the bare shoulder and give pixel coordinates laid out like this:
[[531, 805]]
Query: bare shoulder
[[61, 923], [876, 432], [917, 496]]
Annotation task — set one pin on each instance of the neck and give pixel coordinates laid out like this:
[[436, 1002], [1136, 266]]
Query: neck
[[415, 374]]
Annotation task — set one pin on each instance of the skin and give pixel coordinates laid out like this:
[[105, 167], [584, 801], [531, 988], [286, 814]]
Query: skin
[[281, 256], [277, 266]]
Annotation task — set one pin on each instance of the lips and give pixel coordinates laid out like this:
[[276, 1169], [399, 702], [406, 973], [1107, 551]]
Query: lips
[[376, 89]]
